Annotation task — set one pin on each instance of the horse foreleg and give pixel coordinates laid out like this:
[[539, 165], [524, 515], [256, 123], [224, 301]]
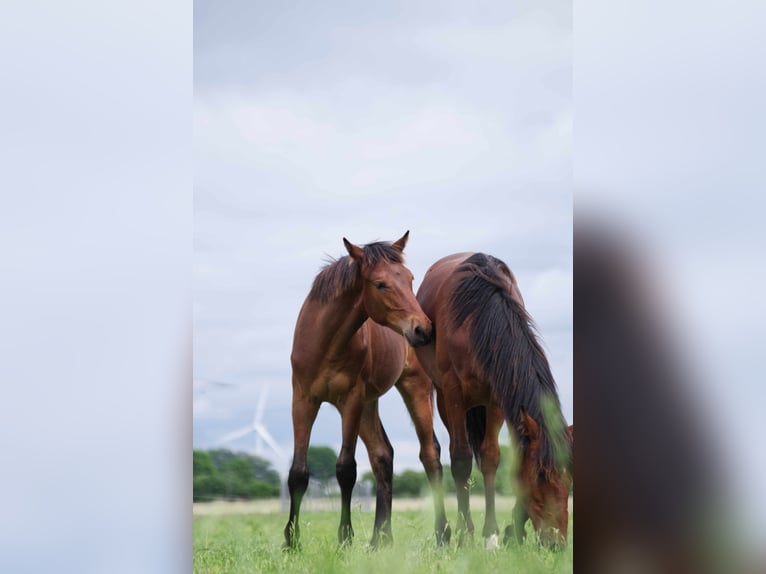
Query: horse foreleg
[[381, 455], [489, 455], [345, 467], [416, 391], [516, 530], [304, 414]]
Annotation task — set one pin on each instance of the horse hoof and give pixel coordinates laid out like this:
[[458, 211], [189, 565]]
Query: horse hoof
[[382, 541], [464, 539], [508, 536], [443, 538], [345, 536], [491, 542]]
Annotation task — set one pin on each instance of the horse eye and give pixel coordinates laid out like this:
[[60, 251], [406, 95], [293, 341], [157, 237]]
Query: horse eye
[[380, 285]]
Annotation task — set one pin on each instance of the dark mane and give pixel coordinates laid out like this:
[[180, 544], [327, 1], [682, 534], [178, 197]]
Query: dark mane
[[341, 275], [510, 356]]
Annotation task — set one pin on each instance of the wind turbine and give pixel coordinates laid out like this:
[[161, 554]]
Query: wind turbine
[[258, 428], [262, 434]]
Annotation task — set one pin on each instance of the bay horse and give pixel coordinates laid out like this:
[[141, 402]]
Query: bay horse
[[353, 341], [488, 367]]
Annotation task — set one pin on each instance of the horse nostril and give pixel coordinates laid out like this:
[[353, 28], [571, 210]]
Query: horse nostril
[[421, 336]]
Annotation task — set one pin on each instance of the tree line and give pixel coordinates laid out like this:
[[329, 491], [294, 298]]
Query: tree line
[[224, 474], [221, 473]]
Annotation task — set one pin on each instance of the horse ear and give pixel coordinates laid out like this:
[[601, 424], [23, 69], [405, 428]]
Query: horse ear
[[356, 253], [402, 241], [529, 426]]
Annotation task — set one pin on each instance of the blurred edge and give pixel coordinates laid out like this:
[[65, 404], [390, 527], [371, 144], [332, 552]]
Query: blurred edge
[[95, 287], [647, 481], [668, 288]]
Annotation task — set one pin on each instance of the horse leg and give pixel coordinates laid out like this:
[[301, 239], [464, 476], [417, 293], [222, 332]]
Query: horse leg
[[489, 455], [516, 530], [416, 390], [304, 413], [453, 408], [381, 455], [345, 467]]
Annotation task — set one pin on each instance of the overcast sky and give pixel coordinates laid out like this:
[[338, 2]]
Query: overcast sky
[[324, 120]]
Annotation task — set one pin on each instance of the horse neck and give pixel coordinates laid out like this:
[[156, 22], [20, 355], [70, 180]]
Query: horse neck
[[340, 319]]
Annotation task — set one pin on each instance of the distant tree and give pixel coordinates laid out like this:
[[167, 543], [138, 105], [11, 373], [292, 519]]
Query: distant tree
[[410, 483], [447, 480], [261, 489], [220, 456], [206, 482], [203, 463], [223, 473], [262, 470], [475, 481], [237, 474], [370, 478], [321, 461]]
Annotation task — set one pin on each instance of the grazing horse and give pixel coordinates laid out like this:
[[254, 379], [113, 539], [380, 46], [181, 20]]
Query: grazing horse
[[488, 367], [353, 341]]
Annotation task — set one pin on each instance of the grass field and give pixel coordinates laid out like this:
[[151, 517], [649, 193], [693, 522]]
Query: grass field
[[242, 541]]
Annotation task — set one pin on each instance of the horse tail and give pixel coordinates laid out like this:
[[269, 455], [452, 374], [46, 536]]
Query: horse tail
[[509, 353], [476, 425]]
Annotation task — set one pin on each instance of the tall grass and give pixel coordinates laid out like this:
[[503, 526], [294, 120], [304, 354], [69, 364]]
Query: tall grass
[[253, 543]]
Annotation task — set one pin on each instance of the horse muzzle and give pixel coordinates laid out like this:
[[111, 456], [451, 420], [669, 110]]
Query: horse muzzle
[[553, 539], [419, 336]]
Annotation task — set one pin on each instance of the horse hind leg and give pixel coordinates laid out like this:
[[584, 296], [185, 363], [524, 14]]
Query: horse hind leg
[[416, 391], [304, 415], [452, 406], [381, 455], [489, 457], [461, 473]]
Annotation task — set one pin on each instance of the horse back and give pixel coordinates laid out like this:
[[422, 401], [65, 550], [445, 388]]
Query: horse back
[[453, 349]]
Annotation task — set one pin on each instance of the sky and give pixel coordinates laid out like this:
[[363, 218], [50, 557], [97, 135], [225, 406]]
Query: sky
[[316, 122]]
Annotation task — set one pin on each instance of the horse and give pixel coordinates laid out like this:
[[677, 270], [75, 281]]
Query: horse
[[487, 368], [353, 341], [521, 513]]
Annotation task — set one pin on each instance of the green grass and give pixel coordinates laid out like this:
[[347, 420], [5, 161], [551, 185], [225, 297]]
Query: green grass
[[253, 543]]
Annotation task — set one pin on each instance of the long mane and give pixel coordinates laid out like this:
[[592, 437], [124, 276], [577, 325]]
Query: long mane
[[508, 352], [340, 275]]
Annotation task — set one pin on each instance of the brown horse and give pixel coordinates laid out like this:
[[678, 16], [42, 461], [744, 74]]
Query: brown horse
[[351, 346], [488, 367]]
